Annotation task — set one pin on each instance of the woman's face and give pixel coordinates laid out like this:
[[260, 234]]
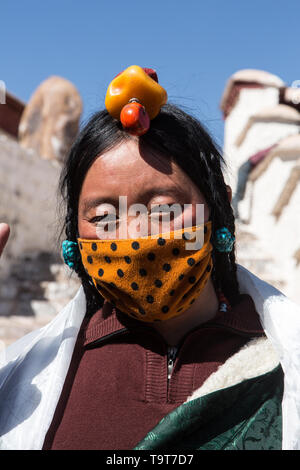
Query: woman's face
[[144, 178]]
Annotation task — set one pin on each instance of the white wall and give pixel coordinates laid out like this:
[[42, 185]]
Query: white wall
[[279, 238], [262, 135], [250, 101], [288, 241], [262, 194]]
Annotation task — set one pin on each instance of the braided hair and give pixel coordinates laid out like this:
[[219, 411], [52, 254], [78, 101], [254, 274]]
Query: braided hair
[[173, 134]]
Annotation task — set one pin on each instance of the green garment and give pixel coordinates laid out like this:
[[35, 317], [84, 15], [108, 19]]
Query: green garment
[[246, 416]]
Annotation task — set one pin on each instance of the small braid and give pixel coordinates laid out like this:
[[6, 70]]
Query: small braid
[[224, 272]]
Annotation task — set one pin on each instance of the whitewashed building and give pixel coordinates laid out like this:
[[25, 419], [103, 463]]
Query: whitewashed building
[[262, 147], [246, 93]]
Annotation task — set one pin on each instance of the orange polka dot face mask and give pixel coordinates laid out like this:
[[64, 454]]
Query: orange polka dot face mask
[[150, 278]]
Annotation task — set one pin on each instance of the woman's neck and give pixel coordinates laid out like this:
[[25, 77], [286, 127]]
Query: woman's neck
[[203, 309]]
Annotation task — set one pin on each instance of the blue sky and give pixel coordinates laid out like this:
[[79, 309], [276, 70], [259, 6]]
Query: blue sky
[[195, 46]]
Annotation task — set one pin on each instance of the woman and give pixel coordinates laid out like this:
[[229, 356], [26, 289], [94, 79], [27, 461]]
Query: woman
[[162, 347]]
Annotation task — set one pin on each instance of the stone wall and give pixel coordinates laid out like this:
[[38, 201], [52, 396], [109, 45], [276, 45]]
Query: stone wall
[[28, 188], [34, 282]]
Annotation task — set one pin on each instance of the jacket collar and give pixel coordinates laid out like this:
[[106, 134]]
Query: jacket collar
[[242, 319]]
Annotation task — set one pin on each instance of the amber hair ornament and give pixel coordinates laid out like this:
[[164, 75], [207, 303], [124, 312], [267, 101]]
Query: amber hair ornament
[[135, 97]]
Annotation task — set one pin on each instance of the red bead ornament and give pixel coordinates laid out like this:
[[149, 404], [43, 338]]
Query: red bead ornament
[[135, 119], [223, 301], [151, 72]]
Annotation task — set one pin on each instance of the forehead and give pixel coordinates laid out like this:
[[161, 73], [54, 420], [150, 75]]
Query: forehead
[[128, 170]]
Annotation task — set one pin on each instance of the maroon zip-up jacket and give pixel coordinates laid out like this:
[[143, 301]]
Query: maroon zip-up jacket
[[117, 389]]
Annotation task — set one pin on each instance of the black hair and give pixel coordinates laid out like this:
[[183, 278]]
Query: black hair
[[173, 134]]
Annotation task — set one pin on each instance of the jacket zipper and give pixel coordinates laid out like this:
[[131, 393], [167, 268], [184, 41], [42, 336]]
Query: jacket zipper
[[172, 351]]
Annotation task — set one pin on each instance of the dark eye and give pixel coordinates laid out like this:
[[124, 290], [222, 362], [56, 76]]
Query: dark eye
[[163, 210], [107, 218], [106, 222], [160, 208]]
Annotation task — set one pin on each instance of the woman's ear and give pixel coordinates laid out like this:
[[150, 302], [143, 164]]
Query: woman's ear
[[229, 192]]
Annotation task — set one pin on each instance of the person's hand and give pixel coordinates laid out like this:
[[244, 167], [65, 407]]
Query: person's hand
[[4, 234]]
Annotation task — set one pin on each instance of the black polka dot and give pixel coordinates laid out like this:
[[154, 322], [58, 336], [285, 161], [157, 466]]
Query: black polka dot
[[135, 245], [191, 261], [151, 256], [120, 273], [134, 286], [90, 259], [158, 282], [150, 299], [175, 251], [143, 272], [167, 267], [172, 292], [113, 246], [107, 259], [100, 272], [208, 267], [94, 246], [127, 259], [185, 295], [192, 279], [181, 277], [142, 311], [161, 241], [165, 309]]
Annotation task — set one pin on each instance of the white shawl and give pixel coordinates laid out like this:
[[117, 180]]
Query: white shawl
[[34, 368]]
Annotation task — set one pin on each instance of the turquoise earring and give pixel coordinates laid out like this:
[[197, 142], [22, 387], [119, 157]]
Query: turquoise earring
[[223, 240], [71, 254]]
